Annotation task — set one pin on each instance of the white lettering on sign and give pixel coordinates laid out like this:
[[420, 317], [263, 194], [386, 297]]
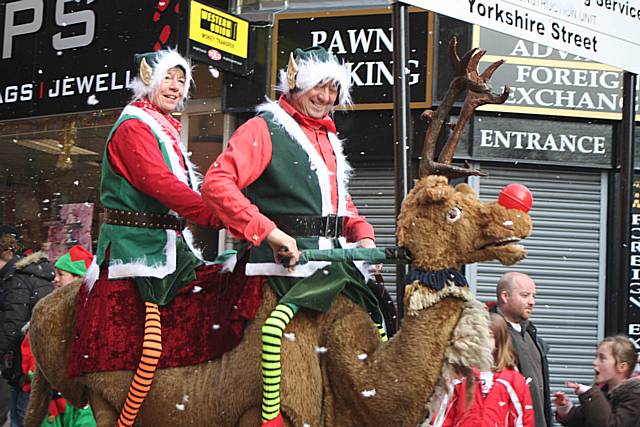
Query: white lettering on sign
[[35, 10], [536, 141], [363, 41]]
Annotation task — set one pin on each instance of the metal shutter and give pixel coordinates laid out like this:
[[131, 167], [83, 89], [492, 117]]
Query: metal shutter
[[566, 260], [372, 191]]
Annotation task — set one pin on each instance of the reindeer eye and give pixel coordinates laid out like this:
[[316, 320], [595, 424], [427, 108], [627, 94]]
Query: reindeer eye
[[454, 214]]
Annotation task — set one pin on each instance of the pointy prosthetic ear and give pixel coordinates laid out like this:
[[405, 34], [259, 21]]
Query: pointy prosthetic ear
[[145, 72], [292, 72]]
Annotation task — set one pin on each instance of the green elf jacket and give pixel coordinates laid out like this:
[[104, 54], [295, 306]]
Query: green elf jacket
[[159, 260], [296, 182]]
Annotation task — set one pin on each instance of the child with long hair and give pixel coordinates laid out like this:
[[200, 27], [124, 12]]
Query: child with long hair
[[614, 401], [501, 397]]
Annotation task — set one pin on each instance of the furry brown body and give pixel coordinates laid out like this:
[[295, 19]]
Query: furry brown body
[[336, 370]]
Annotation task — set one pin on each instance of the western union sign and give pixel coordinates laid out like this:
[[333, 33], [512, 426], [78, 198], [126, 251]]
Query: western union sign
[[218, 38]]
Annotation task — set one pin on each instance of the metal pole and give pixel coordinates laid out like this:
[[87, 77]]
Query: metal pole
[[401, 125], [626, 198]]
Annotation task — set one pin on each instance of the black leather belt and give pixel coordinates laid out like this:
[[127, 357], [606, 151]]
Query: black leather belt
[[144, 220], [310, 226]]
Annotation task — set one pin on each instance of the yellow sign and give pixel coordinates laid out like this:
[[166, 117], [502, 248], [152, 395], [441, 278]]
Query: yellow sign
[[218, 30]]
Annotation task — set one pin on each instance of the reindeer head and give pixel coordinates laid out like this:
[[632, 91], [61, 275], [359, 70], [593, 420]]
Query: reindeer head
[[445, 227]]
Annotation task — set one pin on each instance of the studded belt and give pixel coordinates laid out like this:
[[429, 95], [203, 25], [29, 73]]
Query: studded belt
[[144, 220], [329, 226]]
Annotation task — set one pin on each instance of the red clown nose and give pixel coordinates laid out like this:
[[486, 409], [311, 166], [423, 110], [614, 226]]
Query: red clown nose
[[516, 196]]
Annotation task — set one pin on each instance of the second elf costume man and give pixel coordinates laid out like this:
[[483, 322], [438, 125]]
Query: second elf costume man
[[281, 186]]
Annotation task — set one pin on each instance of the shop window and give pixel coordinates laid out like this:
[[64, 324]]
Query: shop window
[[205, 136], [49, 178]]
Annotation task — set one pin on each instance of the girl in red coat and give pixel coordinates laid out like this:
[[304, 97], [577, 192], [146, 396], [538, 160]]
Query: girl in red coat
[[501, 397]]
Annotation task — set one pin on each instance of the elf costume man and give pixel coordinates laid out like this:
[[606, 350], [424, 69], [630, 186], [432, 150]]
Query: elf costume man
[[71, 268], [281, 186], [148, 188]]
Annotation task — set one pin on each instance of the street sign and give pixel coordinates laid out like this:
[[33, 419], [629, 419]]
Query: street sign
[[601, 30]]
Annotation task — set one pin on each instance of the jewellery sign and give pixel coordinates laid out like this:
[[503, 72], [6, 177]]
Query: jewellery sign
[[363, 40], [218, 38], [547, 81], [63, 56]]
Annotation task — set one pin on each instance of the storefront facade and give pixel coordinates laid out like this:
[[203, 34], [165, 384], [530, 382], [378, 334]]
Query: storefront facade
[[71, 65], [557, 133]]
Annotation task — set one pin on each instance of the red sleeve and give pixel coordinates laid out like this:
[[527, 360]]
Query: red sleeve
[[247, 155], [528, 419], [451, 416], [134, 154], [356, 226]]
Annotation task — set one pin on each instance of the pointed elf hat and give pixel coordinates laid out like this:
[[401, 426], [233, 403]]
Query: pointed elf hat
[[153, 66], [76, 261], [313, 65]]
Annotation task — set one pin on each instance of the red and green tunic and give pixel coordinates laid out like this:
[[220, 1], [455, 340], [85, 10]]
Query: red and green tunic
[[289, 164], [145, 170], [60, 413]]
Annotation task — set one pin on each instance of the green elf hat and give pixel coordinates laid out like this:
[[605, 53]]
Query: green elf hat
[[313, 65], [77, 261], [153, 66]]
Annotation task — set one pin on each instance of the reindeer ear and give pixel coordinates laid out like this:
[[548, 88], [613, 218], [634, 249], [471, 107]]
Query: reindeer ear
[[433, 188], [466, 189]]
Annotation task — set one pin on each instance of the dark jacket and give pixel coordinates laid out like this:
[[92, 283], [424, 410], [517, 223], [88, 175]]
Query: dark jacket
[[23, 282], [620, 408], [543, 349]]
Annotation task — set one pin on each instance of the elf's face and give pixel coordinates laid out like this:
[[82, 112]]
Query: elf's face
[[171, 90], [63, 278], [317, 102]]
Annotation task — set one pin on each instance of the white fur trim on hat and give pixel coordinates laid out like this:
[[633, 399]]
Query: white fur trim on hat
[[167, 59], [312, 71]]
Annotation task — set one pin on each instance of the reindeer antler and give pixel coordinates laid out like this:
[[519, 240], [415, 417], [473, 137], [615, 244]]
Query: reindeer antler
[[465, 77]]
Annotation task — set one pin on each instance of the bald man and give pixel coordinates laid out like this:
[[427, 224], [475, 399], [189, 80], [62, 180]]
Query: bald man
[[516, 296]]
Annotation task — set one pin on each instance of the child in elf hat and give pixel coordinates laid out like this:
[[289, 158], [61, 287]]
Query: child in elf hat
[[71, 268]]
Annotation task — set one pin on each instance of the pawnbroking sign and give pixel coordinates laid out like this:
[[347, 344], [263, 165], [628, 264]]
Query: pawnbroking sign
[[602, 30]]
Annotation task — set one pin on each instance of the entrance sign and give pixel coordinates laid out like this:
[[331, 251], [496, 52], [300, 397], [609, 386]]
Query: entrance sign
[[602, 30]]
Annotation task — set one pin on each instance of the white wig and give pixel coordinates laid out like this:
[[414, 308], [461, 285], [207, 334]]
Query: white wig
[[161, 62], [318, 68]]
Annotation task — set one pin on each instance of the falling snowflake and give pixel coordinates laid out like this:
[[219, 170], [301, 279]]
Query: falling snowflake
[[196, 289], [502, 403], [362, 356], [290, 336], [215, 326], [507, 223], [92, 100], [321, 349], [185, 398], [180, 406], [369, 393], [215, 73], [76, 182]]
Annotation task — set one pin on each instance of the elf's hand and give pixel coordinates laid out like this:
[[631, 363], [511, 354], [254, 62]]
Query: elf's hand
[[283, 245]]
